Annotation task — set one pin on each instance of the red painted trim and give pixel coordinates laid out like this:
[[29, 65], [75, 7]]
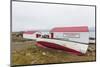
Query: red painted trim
[[59, 47], [39, 45]]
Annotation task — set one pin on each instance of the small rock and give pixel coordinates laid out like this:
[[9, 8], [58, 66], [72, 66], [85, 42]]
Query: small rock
[[43, 53]]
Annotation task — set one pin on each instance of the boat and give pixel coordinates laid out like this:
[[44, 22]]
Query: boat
[[67, 46]]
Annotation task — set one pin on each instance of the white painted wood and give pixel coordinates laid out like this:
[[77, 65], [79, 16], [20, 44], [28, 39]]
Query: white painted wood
[[83, 36], [76, 46], [72, 45], [29, 36]]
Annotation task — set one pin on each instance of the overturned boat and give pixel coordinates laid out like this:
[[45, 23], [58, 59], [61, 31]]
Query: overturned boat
[[69, 47], [73, 40]]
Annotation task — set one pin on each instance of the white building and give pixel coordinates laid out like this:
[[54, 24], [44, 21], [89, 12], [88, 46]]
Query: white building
[[36, 34], [77, 34]]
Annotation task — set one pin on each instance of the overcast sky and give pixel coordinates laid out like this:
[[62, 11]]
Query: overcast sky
[[35, 16]]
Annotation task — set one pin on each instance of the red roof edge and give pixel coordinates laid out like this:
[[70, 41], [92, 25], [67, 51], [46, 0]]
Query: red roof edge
[[71, 29], [29, 32]]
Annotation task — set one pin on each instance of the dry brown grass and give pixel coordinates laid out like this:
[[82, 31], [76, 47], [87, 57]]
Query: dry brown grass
[[25, 52]]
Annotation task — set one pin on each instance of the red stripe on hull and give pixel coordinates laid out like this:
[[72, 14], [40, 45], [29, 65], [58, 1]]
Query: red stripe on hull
[[58, 47], [38, 44]]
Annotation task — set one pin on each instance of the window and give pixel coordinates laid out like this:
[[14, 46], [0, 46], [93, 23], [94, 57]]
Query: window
[[72, 35]]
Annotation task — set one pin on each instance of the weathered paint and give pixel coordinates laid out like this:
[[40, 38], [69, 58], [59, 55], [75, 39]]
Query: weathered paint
[[72, 45], [57, 47]]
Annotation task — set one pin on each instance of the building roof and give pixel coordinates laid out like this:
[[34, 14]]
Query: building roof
[[29, 32], [70, 29]]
